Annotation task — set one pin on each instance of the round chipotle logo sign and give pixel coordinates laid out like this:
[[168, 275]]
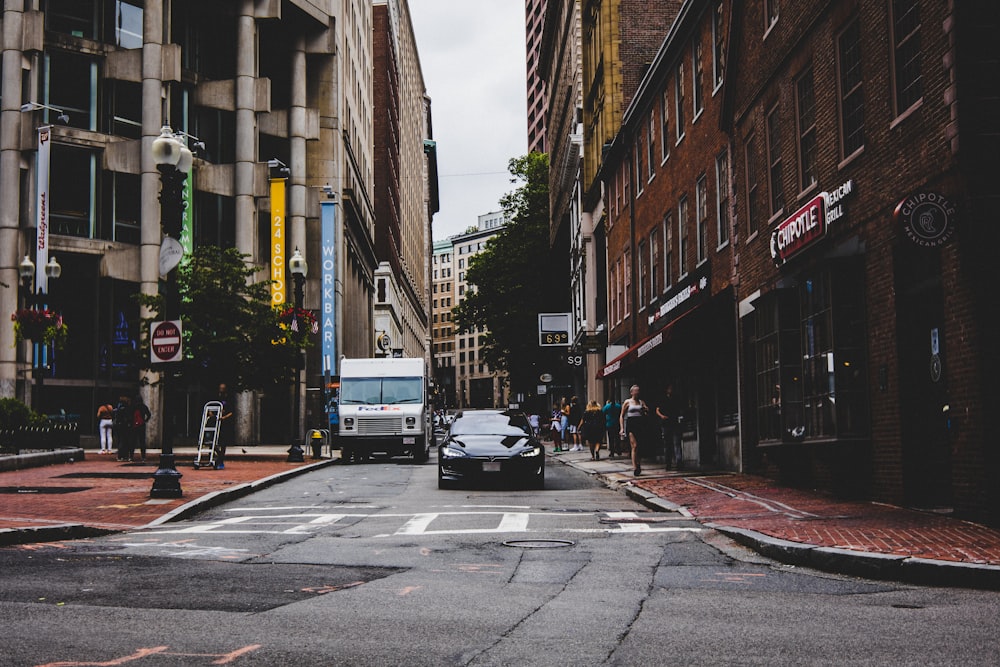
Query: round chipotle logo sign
[[928, 218]]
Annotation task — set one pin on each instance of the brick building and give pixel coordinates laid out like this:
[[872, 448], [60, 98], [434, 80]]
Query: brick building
[[861, 132], [671, 309]]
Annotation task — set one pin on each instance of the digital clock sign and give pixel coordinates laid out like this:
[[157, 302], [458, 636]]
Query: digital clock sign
[[553, 329]]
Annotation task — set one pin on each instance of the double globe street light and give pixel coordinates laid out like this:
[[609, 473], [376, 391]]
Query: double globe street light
[[299, 269], [173, 160]]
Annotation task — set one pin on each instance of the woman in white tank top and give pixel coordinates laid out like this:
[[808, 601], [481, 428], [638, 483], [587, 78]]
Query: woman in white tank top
[[634, 410]]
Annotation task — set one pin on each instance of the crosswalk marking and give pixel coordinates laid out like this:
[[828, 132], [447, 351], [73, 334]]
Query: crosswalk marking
[[488, 521]]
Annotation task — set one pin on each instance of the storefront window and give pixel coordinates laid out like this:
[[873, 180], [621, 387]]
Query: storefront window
[[809, 357]]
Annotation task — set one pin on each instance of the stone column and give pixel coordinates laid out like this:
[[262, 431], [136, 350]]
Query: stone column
[[150, 234], [246, 157], [10, 180]]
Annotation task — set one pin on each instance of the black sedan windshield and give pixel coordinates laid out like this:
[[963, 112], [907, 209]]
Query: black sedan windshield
[[491, 423]]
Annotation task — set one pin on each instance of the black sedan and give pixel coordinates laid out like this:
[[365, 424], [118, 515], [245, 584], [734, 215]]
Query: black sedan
[[491, 446]]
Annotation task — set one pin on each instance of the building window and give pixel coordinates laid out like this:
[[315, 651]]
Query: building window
[[852, 99], [774, 164], [701, 206], [643, 275], [638, 152], [722, 196], [72, 17], [668, 250], [906, 74], [770, 14], [805, 106], [654, 263], [753, 189], [626, 176], [679, 102], [682, 237], [664, 126], [71, 85], [613, 294], [649, 146], [768, 371], [73, 175], [126, 207], [718, 45], [627, 284], [128, 24], [125, 99], [697, 79]]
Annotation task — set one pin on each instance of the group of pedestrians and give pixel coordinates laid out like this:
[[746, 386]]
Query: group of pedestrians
[[124, 425], [627, 426]]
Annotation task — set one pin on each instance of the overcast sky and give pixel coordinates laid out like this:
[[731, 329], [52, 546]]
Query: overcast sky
[[472, 57]]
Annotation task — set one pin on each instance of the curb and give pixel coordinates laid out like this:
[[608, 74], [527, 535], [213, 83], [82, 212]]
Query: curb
[[886, 567], [39, 459], [889, 567], [224, 495], [79, 531]]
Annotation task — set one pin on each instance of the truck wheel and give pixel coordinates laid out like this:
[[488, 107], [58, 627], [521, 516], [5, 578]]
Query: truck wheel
[[420, 455]]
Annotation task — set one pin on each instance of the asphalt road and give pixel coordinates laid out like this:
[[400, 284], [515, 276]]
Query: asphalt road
[[373, 565]]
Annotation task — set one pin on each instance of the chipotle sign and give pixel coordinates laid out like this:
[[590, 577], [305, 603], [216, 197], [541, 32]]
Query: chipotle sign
[[808, 224]]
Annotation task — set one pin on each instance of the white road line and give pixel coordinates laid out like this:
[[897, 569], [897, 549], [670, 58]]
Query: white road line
[[417, 525]]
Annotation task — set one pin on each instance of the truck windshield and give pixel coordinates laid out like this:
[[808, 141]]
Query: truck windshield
[[381, 391]]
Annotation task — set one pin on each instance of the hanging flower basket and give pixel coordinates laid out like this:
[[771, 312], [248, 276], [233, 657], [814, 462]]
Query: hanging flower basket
[[39, 326], [298, 320]]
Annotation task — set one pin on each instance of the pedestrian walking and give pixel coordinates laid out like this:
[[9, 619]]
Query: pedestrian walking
[[668, 414], [533, 422], [121, 425], [564, 426], [612, 409], [593, 429], [631, 422], [555, 427], [575, 419], [140, 416], [105, 426], [226, 427]]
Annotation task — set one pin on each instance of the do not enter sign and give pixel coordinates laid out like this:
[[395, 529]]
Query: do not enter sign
[[165, 342]]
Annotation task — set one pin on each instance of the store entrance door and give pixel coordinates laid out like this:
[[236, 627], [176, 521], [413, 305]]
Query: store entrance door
[[922, 388]]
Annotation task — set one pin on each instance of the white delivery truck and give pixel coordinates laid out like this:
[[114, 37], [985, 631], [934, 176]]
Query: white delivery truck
[[384, 409]]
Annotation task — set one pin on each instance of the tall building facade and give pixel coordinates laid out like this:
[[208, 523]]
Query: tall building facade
[[476, 384], [671, 303], [403, 219], [534, 22], [250, 84], [442, 328]]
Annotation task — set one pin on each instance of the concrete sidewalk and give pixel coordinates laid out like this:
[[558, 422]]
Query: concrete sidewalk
[[99, 495], [811, 529]]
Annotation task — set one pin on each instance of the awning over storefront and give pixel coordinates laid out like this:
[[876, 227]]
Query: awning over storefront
[[640, 349], [684, 299]]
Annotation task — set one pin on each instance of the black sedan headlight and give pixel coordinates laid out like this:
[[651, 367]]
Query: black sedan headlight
[[452, 452], [534, 451]]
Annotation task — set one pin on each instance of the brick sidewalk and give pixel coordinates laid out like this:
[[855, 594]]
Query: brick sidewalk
[[808, 517], [101, 493]]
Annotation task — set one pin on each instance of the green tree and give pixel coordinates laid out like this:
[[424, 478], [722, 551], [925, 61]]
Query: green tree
[[231, 332], [509, 280]]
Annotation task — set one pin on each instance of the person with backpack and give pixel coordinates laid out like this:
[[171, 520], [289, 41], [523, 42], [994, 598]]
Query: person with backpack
[[121, 427], [140, 415], [104, 426]]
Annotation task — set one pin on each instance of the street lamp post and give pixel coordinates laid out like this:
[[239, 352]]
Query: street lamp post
[[299, 268], [32, 298], [173, 161]]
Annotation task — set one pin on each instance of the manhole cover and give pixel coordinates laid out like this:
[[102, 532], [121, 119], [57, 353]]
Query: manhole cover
[[538, 544], [44, 489]]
